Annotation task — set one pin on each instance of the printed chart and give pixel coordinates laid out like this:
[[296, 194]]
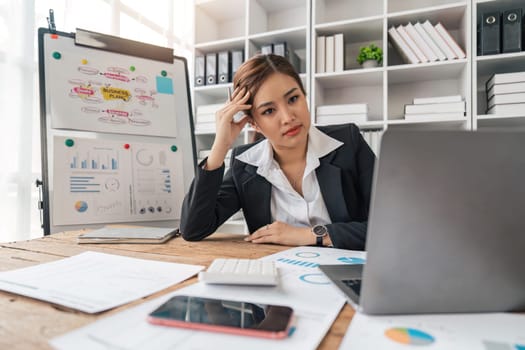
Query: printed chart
[[106, 181], [490, 331], [309, 258], [409, 336]]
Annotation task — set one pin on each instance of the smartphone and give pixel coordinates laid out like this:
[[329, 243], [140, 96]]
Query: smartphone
[[217, 315]]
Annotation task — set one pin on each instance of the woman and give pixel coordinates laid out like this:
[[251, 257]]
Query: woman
[[301, 185]]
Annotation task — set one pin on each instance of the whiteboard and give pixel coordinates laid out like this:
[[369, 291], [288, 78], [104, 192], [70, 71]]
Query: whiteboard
[[117, 133]]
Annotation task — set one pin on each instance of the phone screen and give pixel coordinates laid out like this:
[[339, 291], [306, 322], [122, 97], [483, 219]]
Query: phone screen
[[224, 315]]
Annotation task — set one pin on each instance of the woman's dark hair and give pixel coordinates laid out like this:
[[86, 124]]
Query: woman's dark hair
[[252, 73]]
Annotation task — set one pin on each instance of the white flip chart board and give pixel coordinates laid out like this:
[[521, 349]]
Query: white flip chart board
[[116, 129]]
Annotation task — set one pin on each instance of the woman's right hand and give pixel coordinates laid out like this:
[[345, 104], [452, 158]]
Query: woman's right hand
[[227, 130]]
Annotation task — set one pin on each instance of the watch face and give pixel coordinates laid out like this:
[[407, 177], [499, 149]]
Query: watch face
[[319, 230]]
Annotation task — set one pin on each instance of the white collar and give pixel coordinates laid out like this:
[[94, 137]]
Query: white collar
[[261, 155]]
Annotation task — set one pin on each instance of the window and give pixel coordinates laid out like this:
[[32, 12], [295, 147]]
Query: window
[[168, 23]]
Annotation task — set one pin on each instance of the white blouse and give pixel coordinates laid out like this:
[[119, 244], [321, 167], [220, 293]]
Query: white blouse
[[286, 204]]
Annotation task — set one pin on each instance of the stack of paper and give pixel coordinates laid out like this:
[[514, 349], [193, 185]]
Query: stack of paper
[[436, 108], [506, 94], [340, 114], [205, 118]]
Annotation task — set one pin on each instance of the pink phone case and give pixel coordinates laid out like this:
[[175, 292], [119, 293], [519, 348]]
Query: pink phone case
[[222, 329]]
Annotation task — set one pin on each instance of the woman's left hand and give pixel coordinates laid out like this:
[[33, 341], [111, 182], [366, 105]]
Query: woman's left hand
[[281, 233]]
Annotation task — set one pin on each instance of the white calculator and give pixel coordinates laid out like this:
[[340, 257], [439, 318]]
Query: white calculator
[[241, 272]]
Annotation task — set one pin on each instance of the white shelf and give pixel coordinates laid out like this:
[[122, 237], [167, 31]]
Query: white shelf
[[331, 11], [486, 66], [449, 14], [220, 45], [358, 77], [426, 71]]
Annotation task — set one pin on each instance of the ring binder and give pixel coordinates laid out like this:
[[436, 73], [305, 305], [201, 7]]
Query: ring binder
[[511, 31]]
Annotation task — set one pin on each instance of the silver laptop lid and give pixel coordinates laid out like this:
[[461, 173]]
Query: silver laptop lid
[[447, 224]]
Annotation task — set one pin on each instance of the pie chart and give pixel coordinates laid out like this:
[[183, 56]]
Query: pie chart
[[409, 336], [81, 206]]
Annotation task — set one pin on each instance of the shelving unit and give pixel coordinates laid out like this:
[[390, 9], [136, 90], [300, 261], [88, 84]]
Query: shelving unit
[[248, 24], [387, 89], [485, 66]]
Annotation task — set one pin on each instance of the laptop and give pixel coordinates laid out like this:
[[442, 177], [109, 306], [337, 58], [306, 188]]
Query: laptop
[[446, 230]]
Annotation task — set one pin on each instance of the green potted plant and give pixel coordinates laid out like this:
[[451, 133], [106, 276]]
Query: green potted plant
[[370, 56]]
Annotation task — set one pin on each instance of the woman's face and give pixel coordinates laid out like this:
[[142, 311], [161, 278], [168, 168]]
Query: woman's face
[[280, 112]]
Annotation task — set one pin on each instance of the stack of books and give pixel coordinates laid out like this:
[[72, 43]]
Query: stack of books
[[506, 94], [330, 53], [205, 118], [436, 108], [424, 42], [339, 114]]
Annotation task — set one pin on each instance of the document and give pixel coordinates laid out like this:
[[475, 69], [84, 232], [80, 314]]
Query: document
[[316, 303], [93, 282], [489, 331], [309, 258]]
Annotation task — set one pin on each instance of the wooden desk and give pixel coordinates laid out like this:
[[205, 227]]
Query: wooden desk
[[29, 324]]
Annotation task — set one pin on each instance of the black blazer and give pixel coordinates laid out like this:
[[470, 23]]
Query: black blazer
[[345, 181]]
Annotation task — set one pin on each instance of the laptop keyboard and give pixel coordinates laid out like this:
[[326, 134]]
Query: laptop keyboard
[[354, 285]]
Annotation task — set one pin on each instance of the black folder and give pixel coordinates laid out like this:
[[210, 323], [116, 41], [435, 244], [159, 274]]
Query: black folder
[[511, 36], [490, 33]]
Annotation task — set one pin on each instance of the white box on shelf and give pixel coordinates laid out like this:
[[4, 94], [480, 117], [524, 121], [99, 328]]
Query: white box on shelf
[[444, 116], [505, 78], [506, 99], [205, 118], [508, 110], [209, 109], [437, 99], [341, 119], [510, 88], [343, 109], [435, 108]]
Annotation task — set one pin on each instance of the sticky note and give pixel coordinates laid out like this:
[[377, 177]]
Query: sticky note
[[164, 85]]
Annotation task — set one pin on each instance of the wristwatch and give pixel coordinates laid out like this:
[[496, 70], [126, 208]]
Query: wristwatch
[[319, 231]]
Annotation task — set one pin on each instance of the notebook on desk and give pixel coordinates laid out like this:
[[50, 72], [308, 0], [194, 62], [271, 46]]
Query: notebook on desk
[[140, 235], [446, 229]]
